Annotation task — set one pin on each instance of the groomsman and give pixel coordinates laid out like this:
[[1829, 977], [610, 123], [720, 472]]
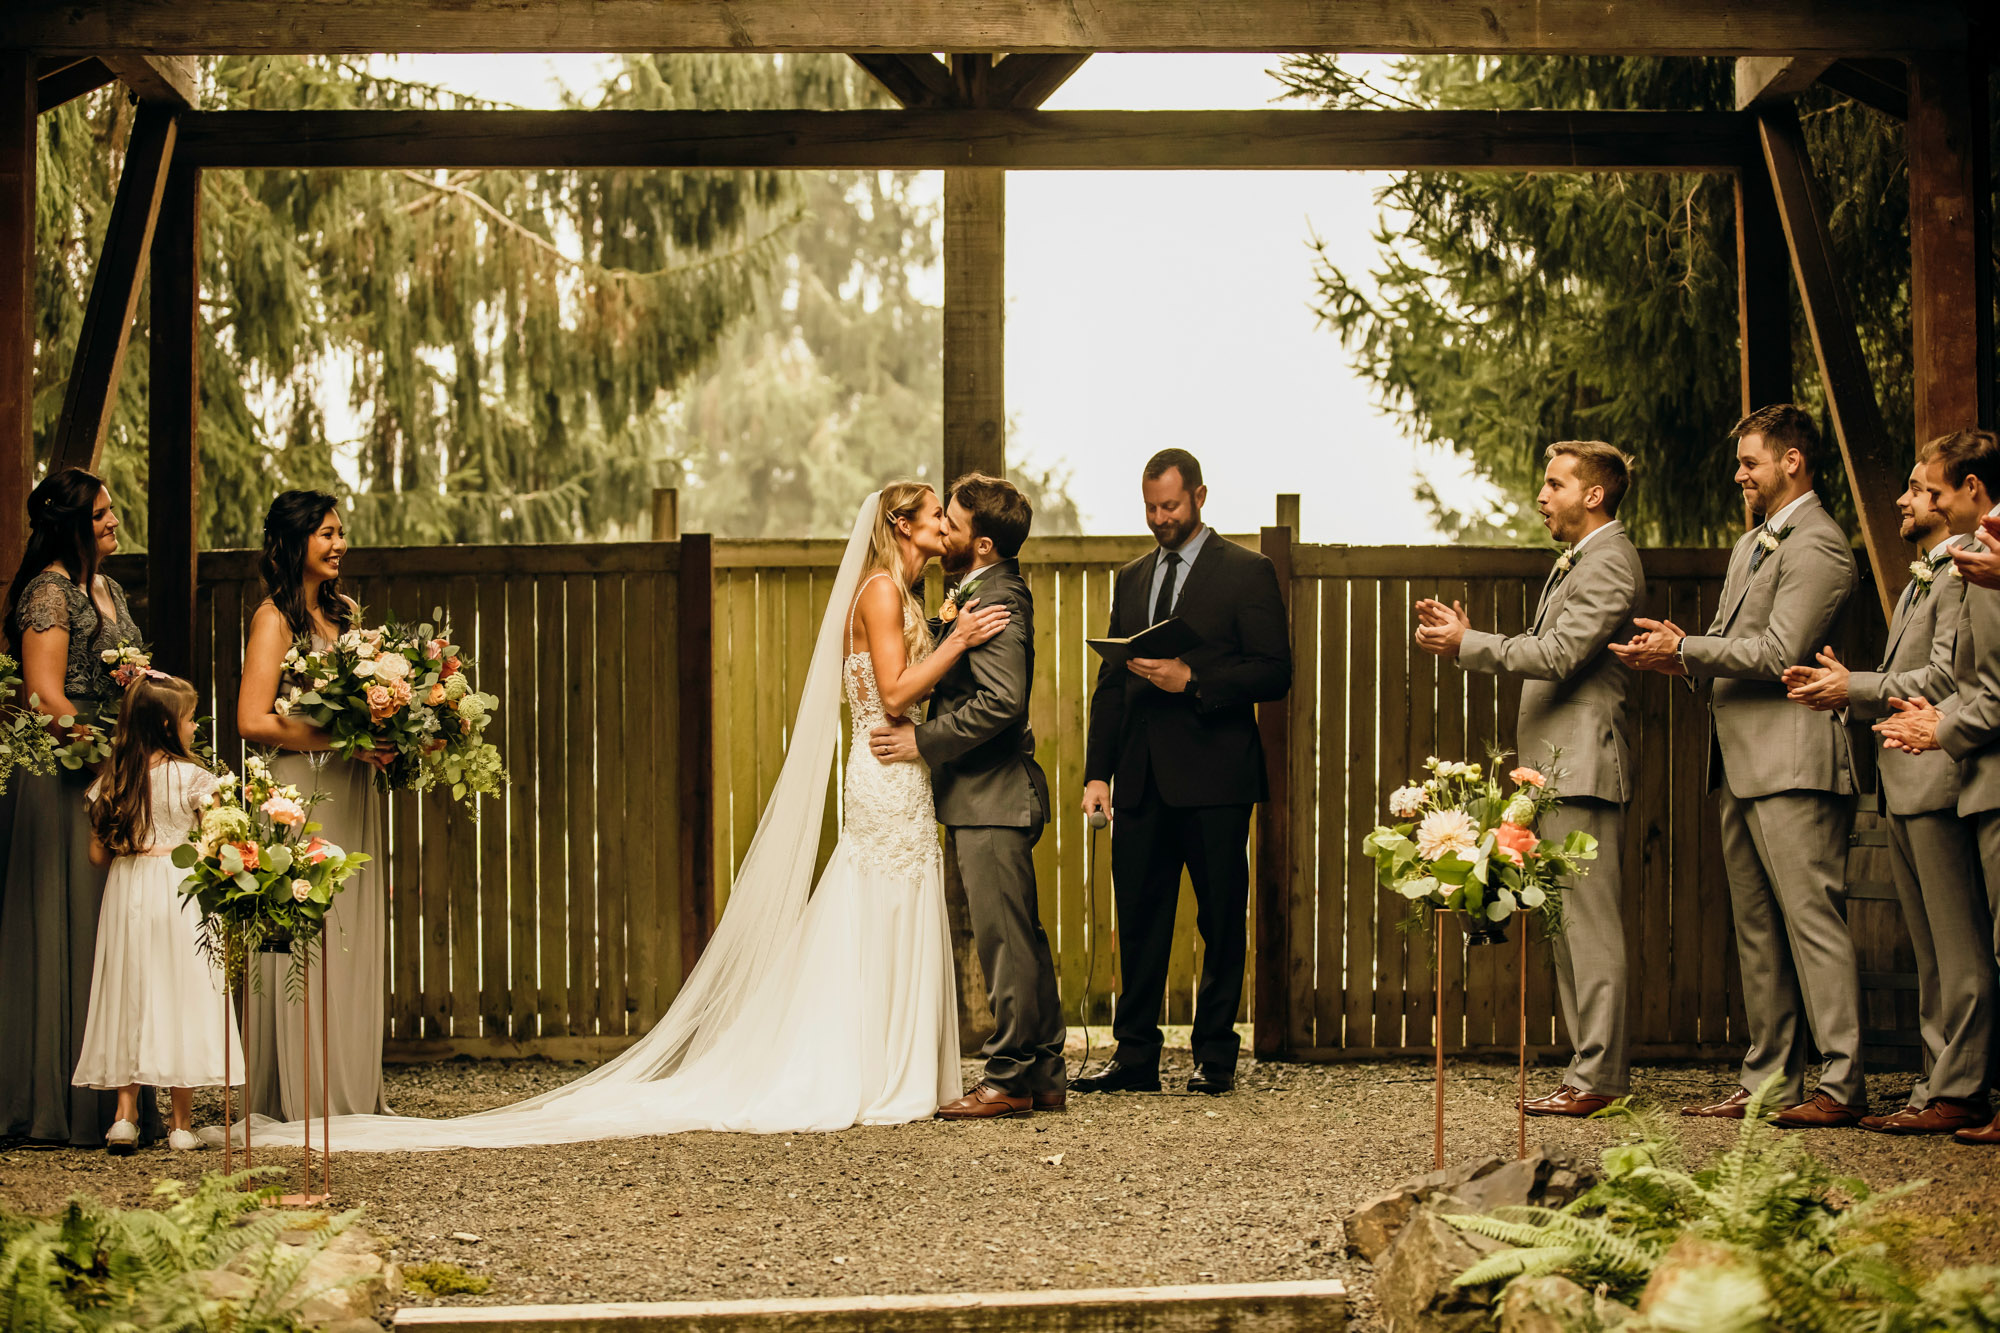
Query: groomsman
[[1783, 775], [1573, 719], [1175, 758], [1966, 480], [1933, 857]]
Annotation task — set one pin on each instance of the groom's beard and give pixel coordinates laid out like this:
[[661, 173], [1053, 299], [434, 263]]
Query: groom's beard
[[956, 562]]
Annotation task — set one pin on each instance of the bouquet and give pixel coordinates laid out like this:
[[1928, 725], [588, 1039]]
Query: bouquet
[[258, 871], [1469, 846], [90, 727], [25, 739], [402, 689]]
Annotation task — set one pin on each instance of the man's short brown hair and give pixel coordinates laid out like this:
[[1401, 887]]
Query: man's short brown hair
[[1598, 464], [1966, 453], [1177, 460], [1783, 427], [999, 512]]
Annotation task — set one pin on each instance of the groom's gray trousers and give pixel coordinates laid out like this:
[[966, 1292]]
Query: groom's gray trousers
[[997, 864]]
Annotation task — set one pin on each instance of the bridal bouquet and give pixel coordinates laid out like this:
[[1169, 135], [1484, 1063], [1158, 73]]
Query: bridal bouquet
[[258, 871], [1467, 845], [404, 689], [25, 739]]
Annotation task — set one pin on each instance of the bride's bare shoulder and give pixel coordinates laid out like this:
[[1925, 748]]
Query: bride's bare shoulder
[[877, 604]]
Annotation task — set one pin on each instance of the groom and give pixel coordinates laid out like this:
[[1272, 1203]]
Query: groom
[[993, 798]]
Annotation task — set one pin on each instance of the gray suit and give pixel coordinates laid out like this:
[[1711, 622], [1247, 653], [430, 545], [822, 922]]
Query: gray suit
[[1933, 853], [992, 795], [1573, 719], [1783, 777]]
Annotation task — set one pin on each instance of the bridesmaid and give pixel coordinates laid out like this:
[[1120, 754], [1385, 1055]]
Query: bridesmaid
[[304, 543], [61, 615]]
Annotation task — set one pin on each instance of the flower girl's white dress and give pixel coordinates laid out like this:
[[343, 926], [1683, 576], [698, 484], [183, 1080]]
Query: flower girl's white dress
[[156, 1010]]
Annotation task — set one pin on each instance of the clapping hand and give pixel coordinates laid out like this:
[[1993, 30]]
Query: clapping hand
[[1656, 647], [1912, 728], [974, 627], [1440, 628], [1981, 564], [1822, 688]]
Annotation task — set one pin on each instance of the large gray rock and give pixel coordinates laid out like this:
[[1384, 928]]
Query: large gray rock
[[1552, 1304], [1414, 1278], [1374, 1223], [1478, 1186]]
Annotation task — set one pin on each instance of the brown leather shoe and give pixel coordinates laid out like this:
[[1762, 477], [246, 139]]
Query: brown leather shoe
[[1729, 1108], [1986, 1137], [1820, 1111], [986, 1102], [1941, 1115], [1054, 1100], [1568, 1101]]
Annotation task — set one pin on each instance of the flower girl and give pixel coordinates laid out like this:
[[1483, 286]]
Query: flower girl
[[154, 997]]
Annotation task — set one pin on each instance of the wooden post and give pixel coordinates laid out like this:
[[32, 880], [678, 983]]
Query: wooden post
[[92, 391], [697, 744], [1951, 270], [173, 496], [1288, 514], [1875, 468], [666, 514], [1763, 295], [975, 293], [17, 298], [1270, 1017]]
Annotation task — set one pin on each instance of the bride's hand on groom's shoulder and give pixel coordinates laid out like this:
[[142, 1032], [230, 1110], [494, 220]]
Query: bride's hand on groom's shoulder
[[977, 624]]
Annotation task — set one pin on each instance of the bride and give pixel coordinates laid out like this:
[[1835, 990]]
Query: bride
[[813, 1007]]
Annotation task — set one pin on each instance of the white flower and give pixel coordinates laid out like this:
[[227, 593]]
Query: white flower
[[255, 766], [1520, 811], [365, 651], [301, 890], [1768, 539], [363, 670], [1406, 802], [351, 641], [1416, 889], [282, 707], [1532, 896], [392, 667], [1446, 831], [1566, 561]]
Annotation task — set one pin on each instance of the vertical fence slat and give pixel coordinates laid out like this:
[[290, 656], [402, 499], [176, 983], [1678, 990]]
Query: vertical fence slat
[[552, 892], [1329, 956], [1300, 886], [522, 707], [1359, 945], [1393, 647], [580, 762], [652, 893], [614, 877]]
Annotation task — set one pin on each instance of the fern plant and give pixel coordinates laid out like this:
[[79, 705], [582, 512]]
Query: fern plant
[[1792, 1256], [94, 1267]]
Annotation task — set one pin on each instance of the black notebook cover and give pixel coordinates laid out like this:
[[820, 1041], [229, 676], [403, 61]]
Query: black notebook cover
[[1170, 638]]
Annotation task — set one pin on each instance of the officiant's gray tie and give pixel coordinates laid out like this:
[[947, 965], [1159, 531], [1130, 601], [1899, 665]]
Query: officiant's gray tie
[[1164, 607]]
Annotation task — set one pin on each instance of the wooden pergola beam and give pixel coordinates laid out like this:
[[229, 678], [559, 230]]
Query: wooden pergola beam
[[173, 411], [169, 80], [944, 139], [1951, 244], [1875, 467], [1551, 27], [69, 80], [1881, 84], [1024, 81], [92, 390], [918, 79], [1774, 78]]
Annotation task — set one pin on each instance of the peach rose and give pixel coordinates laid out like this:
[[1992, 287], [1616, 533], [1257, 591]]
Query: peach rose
[[381, 702], [284, 810], [435, 697], [451, 665], [1514, 842], [1528, 777], [248, 851]]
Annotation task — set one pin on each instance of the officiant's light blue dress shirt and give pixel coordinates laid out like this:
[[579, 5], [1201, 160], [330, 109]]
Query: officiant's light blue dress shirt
[[1190, 551]]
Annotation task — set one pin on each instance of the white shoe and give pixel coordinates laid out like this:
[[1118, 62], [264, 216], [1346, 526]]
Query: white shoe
[[122, 1139], [182, 1141]]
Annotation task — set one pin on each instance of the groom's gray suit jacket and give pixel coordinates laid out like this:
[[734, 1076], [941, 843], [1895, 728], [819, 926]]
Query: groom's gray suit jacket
[[1574, 691], [977, 741]]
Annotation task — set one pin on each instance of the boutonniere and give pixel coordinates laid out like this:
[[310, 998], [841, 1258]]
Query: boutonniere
[[1769, 540], [1566, 562], [1922, 574], [956, 599]]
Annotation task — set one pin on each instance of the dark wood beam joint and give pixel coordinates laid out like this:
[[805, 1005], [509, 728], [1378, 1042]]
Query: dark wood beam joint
[[1023, 81], [1881, 84], [1775, 78], [71, 80], [920, 80], [152, 78]]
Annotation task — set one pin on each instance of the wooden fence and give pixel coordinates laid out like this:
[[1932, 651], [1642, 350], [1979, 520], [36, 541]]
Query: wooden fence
[[648, 694]]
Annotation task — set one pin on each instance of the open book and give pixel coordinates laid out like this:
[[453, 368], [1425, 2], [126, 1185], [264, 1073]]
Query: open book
[[1170, 638]]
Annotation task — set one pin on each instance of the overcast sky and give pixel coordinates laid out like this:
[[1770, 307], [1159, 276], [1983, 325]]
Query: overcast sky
[[1148, 309]]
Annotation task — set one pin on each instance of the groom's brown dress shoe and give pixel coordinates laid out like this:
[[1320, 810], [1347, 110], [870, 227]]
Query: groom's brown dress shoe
[[1820, 1111], [1566, 1100], [1986, 1137], [1729, 1108], [1940, 1115], [986, 1102]]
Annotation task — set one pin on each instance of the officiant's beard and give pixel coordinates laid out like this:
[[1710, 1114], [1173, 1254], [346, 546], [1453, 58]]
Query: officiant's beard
[[1172, 536]]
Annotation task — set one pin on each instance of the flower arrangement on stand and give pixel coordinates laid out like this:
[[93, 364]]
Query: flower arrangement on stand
[[259, 872], [1463, 843], [406, 689]]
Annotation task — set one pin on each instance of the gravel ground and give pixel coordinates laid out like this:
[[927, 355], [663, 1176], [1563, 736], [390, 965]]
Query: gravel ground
[[1123, 1190]]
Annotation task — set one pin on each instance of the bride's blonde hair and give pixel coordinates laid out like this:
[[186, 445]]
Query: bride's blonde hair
[[900, 501]]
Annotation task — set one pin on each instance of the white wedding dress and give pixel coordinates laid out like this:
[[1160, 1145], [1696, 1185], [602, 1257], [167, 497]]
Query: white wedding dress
[[807, 1011]]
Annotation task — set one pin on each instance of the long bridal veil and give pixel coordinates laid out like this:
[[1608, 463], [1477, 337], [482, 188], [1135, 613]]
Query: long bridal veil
[[757, 932]]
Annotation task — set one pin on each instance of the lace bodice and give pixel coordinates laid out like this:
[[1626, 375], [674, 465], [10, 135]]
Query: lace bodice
[[52, 598], [178, 789], [889, 821]]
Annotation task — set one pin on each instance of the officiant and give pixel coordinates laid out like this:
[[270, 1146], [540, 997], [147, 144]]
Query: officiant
[[1175, 760]]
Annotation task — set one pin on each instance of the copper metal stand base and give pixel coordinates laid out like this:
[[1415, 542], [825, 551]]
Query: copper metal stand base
[[1437, 1036]]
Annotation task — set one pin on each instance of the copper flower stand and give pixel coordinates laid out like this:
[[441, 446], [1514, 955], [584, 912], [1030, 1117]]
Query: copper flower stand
[[1437, 1034], [305, 1198]]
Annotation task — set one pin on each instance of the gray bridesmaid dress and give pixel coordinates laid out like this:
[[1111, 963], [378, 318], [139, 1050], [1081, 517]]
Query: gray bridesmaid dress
[[355, 818], [50, 898]]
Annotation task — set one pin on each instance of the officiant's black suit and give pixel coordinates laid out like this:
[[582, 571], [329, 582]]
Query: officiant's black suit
[[1185, 770]]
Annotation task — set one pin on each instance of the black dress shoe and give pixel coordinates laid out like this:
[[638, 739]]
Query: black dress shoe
[[1115, 1077], [1213, 1079]]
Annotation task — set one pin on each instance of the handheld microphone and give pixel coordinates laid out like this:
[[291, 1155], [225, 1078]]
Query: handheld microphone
[[1098, 819]]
